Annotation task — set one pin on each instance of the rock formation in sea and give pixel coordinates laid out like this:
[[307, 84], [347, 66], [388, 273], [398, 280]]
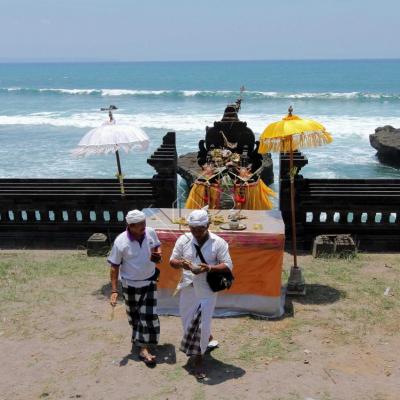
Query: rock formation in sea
[[386, 140]]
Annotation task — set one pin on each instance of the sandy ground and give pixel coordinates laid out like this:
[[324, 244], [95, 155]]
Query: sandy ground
[[58, 341]]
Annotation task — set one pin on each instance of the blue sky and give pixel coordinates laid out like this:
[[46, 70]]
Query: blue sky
[[152, 30]]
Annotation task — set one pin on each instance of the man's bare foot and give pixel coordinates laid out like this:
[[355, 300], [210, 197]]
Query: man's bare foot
[[199, 371], [146, 356]]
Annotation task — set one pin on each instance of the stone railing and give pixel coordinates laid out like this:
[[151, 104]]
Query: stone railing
[[368, 209], [63, 213]]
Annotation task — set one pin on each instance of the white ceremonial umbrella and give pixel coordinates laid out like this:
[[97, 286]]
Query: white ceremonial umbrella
[[109, 138]]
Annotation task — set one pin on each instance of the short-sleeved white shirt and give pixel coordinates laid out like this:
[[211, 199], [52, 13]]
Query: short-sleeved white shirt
[[134, 258], [215, 251]]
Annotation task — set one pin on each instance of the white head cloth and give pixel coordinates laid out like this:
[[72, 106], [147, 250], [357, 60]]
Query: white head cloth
[[135, 216], [198, 218]]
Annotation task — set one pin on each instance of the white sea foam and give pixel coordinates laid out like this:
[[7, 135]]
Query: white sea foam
[[128, 92], [191, 93], [249, 95], [340, 126], [69, 91], [325, 175], [13, 89], [350, 155], [90, 120]]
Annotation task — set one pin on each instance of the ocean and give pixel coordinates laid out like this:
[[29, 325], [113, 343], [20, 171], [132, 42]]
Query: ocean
[[46, 108]]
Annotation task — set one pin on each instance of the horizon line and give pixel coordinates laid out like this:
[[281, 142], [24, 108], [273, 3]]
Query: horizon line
[[94, 61]]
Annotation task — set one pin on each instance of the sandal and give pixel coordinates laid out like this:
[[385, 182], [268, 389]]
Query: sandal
[[149, 363], [200, 374]]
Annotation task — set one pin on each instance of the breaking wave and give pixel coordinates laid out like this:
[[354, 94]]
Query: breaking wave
[[225, 94], [343, 126]]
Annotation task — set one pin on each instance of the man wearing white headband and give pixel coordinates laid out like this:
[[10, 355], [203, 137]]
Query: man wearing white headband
[[133, 258], [197, 301]]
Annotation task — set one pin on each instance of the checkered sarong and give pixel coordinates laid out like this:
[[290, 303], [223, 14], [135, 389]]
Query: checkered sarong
[[190, 344], [141, 308]]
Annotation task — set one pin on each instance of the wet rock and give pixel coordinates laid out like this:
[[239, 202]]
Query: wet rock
[[386, 140]]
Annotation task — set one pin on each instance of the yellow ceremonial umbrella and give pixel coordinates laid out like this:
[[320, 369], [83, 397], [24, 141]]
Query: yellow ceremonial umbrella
[[287, 135]]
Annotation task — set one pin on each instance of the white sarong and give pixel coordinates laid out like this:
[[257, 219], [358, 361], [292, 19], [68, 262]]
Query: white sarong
[[196, 314]]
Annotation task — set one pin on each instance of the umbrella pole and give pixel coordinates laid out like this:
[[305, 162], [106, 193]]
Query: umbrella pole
[[292, 206], [296, 283], [119, 175]]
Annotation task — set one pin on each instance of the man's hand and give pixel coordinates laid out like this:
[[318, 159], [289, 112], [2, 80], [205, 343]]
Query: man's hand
[[185, 264], [203, 268], [114, 299], [114, 271], [155, 257]]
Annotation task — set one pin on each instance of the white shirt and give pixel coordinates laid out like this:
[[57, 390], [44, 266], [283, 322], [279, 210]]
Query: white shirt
[[215, 251], [134, 258]]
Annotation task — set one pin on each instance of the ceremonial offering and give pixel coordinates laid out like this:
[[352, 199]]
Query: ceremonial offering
[[193, 267], [231, 167], [234, 224], [227, 227], [180, 221], [217, 219], [257, 227]]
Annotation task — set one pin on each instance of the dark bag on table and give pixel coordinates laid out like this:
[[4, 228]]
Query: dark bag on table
[[216, 280]]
